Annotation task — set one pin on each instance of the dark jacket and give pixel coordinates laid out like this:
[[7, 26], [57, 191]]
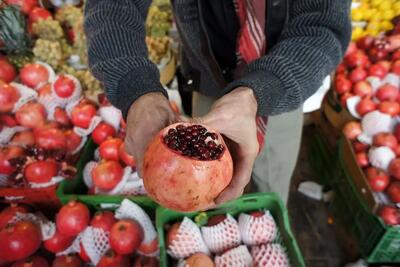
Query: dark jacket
[[306, 38]]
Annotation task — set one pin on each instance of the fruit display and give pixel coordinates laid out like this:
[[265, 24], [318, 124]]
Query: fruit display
[[186, 167], [77, 236], [372, 17]]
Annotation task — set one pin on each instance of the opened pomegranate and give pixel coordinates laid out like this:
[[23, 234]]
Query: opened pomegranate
[[34, 74], [67, 261], [126, 236], [8, 213], [25, 138], [186, 167], [20, 240], [41, 171], [104, 220], [112, 259], [7, 71], [31, 115], [102, 132], [64, 86], [50, 138], [35, 261], [6, 154], [107, 174], [58, 242], [72, 218], [9, 95], [109, 149], [390, 215], [82, 115]]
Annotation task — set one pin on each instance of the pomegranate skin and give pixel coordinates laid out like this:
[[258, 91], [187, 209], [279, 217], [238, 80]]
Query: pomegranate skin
[[182, 183]]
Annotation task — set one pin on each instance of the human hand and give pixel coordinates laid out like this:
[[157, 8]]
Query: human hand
[[146, 117], [234, 116]]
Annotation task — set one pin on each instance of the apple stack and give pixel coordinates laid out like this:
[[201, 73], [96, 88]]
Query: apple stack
[[75, 239], [223, 241], [367, 83]]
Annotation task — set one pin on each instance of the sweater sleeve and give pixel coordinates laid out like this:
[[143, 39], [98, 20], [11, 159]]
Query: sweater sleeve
[[312, 43], [117, 50]]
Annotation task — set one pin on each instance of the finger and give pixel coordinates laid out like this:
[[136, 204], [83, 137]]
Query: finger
[[241, 177]]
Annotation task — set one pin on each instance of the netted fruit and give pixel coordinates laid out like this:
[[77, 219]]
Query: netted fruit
[[186, 167]]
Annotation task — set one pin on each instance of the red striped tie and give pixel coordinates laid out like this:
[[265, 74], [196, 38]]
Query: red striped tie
[[252, 43]]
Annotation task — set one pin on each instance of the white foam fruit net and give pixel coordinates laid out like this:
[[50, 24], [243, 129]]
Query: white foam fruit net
[[26, 95], [111, 115], [8, 132], [257, 230], [93, 124], [130, 210], [48, 228], [269, 255], [238, 257], [130, 185], [54, 180], [63, 102], [223, 236], [188, 241], [95, 241]]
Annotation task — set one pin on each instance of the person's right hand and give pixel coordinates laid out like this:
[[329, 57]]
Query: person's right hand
[[146, 117]]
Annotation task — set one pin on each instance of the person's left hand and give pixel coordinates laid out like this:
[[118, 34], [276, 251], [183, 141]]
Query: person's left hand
[[234, 116]]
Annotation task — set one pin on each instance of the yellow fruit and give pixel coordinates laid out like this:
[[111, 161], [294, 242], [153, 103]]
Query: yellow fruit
[[357, 14], [372, 32], [357, 33], [368, 14], [375, 3], [396, 6], [373, 26], [387, 14], [386, 25], [385, 5]]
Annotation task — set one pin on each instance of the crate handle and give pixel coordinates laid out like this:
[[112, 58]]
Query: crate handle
[[249, 200]]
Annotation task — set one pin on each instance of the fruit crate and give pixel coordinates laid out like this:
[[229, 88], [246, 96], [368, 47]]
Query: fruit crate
[[76, 189], [247, 203], [377, 242]]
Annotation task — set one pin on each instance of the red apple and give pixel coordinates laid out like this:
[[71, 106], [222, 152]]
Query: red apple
[[362, 88], [358, 58], [385, 139], [365, 106], [387, 92], [377, 70], [342, 85], [358, 74]]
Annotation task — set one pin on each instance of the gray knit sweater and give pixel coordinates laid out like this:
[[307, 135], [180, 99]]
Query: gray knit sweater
[[311, 44]]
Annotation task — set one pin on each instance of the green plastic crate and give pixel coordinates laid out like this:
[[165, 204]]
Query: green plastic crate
[[377, 242], [77, 190], [247, 203]]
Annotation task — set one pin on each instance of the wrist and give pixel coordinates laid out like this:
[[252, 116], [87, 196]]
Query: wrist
[[247, 95]]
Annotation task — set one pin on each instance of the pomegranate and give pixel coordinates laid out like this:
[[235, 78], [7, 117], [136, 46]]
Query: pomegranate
[[61, 117], [388, 107], [73, 141], [20, 240], [396, 67], [352, 130], [109, 149], [9, 95], [33, 74], [58, 242], [102, 132], [393, 191], [199, 259], [126, 236], [6, 154], [362, 159], [358, 58], [41, 171], [385, 139], [125, 157], [25, 138], [72, 218], [35, 261], [148, 248], [342, 85], [386, 64], [375, 54], [358, 74], [387, 92], [25, 5], [104, 220], [64, 86], [362, 88], [344, 97], [44, 90], [365, 106], [50, 138], [214, 220], [377, 70], [8, 120], [82, 253], [67, 261], [142, 261], [390, 215], [172, 233], [8, 213], [7, 71], [107, 174], [377, 179], [365, 43], [82, 115], [397, 132], [39, 13], [31, 115], [186, 167], [341, 68], [112, 259]]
